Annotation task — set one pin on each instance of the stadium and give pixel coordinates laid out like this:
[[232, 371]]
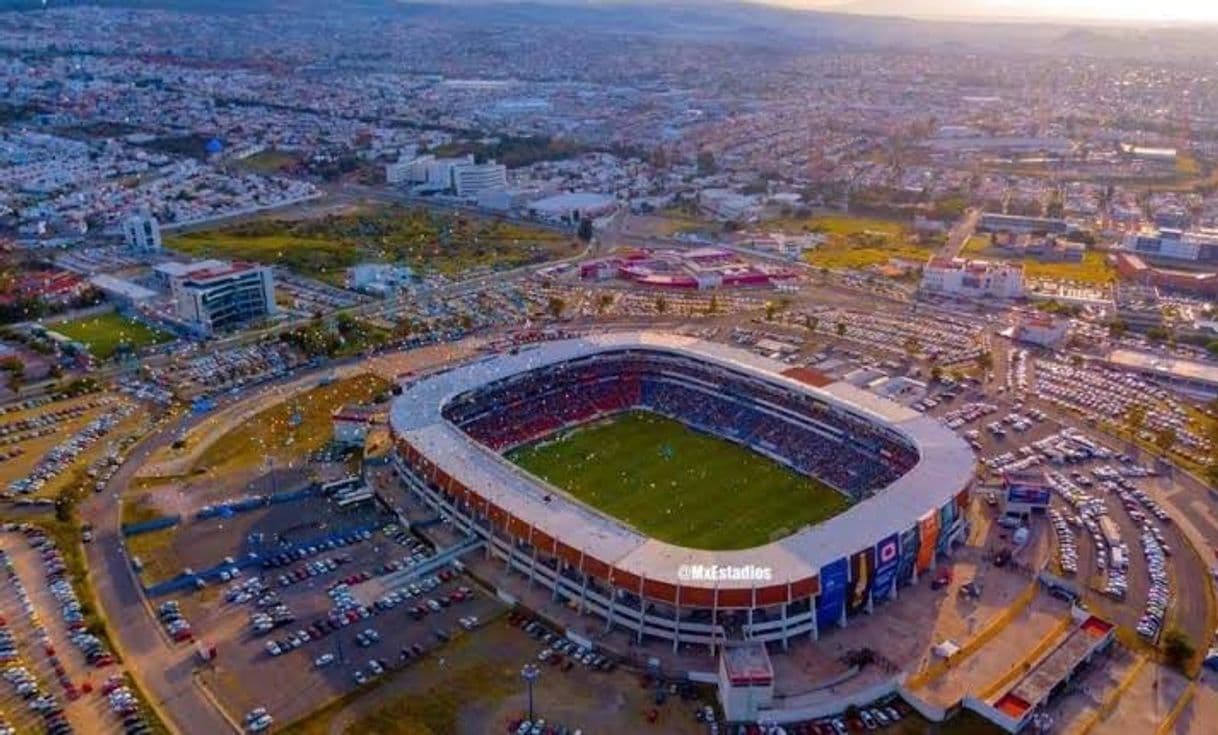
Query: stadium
[[901, 481]]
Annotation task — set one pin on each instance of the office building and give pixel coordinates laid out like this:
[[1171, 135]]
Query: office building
[[1193, 245], [219, 299], [472, 179], [972, 278], [143, 233]]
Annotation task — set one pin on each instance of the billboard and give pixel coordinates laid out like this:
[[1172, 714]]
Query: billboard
[[947, 518], [862, 575], [887, 560], [909, 554], [928, 535], [834, 579], [1025, 494]]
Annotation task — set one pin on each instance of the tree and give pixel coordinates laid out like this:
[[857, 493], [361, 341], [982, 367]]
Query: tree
[[770, 310], [1117, 328], [706, 163], [912, 345], [556, 306], [661, 305], [1165, 439], [603, 303], [936, 373], [712, 307], [985, 360], [811, 322], [1178, 648], [840, 329], [1135, 417], [585, 229]]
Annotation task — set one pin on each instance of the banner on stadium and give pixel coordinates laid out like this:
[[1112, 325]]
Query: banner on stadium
[[928, 536], [862, 575], [887, 560], [834, 579], [909, 555], [947, 521]]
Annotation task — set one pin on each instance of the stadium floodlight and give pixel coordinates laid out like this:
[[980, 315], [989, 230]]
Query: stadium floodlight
[[530, 672]]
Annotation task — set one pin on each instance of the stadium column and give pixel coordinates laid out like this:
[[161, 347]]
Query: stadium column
[[786, 603], [676, 621], [814, 633], [533, 561], [752, 607], [612, 603], [583, 594], [714, 618], [642, 610]]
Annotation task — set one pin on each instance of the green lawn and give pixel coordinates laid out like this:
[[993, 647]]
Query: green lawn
[[324, 247], [105, 333], [678, 485]]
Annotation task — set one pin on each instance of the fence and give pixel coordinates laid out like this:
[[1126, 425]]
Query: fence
[[156, 524]]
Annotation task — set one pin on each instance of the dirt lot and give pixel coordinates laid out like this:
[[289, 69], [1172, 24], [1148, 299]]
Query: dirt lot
[[1144, 703], [1197, 716]]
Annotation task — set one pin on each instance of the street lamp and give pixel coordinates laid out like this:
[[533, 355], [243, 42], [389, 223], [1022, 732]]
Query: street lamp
[[530, 672]]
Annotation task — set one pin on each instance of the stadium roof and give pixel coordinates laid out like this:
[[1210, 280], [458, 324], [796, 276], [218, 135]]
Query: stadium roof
[[945, 465]]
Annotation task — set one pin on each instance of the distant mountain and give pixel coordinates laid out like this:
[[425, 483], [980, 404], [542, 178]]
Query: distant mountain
[[869, 24]]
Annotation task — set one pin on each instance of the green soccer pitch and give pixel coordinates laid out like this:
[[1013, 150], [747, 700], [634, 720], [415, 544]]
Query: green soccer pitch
[[679, 485]]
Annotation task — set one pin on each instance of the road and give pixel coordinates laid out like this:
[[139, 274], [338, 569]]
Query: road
[[960, 233], [165, 672]]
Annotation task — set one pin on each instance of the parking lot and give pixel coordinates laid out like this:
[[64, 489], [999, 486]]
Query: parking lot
[[59, 678], [1131, 575], [308, 628]]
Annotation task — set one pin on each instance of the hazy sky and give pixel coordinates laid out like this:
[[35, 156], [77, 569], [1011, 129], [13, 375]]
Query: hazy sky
[[1161, 10]]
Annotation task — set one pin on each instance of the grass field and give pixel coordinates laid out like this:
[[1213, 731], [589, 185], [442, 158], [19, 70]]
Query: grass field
[[449, 243], [678, 485], [105, 333], [289, 431], [855, 243]]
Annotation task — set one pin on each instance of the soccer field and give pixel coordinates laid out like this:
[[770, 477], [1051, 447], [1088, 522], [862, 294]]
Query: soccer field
[[103, 334], [678, 485]]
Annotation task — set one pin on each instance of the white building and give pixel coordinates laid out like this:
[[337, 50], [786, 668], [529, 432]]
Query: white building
[[746, 681], [167, 273], [472, 179], [143, 233], [1040, 329], [972, 278], [381, 279], [1174, 244], [726, 204], [573, 206], [222, 298], [351, 424]]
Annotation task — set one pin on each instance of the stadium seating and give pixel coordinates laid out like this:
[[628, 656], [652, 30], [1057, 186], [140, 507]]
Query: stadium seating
[[815, 438]]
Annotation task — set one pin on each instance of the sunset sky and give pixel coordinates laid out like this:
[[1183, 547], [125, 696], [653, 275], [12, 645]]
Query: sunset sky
[[1154, 10]]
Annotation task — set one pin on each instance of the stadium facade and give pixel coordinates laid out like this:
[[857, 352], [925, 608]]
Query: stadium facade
[[908, 475]]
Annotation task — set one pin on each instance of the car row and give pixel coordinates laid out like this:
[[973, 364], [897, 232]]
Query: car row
[[178, 628]]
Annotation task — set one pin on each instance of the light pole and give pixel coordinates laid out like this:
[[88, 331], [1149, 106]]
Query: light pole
[[530, 672]]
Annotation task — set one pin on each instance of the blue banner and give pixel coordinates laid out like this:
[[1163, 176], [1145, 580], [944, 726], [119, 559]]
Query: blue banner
[[887, 559], [834, 579], [947, 517], [909, 556]]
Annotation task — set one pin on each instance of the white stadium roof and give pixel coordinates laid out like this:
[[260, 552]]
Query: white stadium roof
[[945, 465]]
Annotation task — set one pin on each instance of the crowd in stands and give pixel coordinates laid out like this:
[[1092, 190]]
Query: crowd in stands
[[848, 452]]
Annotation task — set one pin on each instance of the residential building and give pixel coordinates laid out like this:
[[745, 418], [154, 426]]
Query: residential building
[[218, 299], [972, 278], [143, 233]]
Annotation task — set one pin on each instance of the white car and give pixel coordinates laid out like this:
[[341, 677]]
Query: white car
[[324, 660]]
